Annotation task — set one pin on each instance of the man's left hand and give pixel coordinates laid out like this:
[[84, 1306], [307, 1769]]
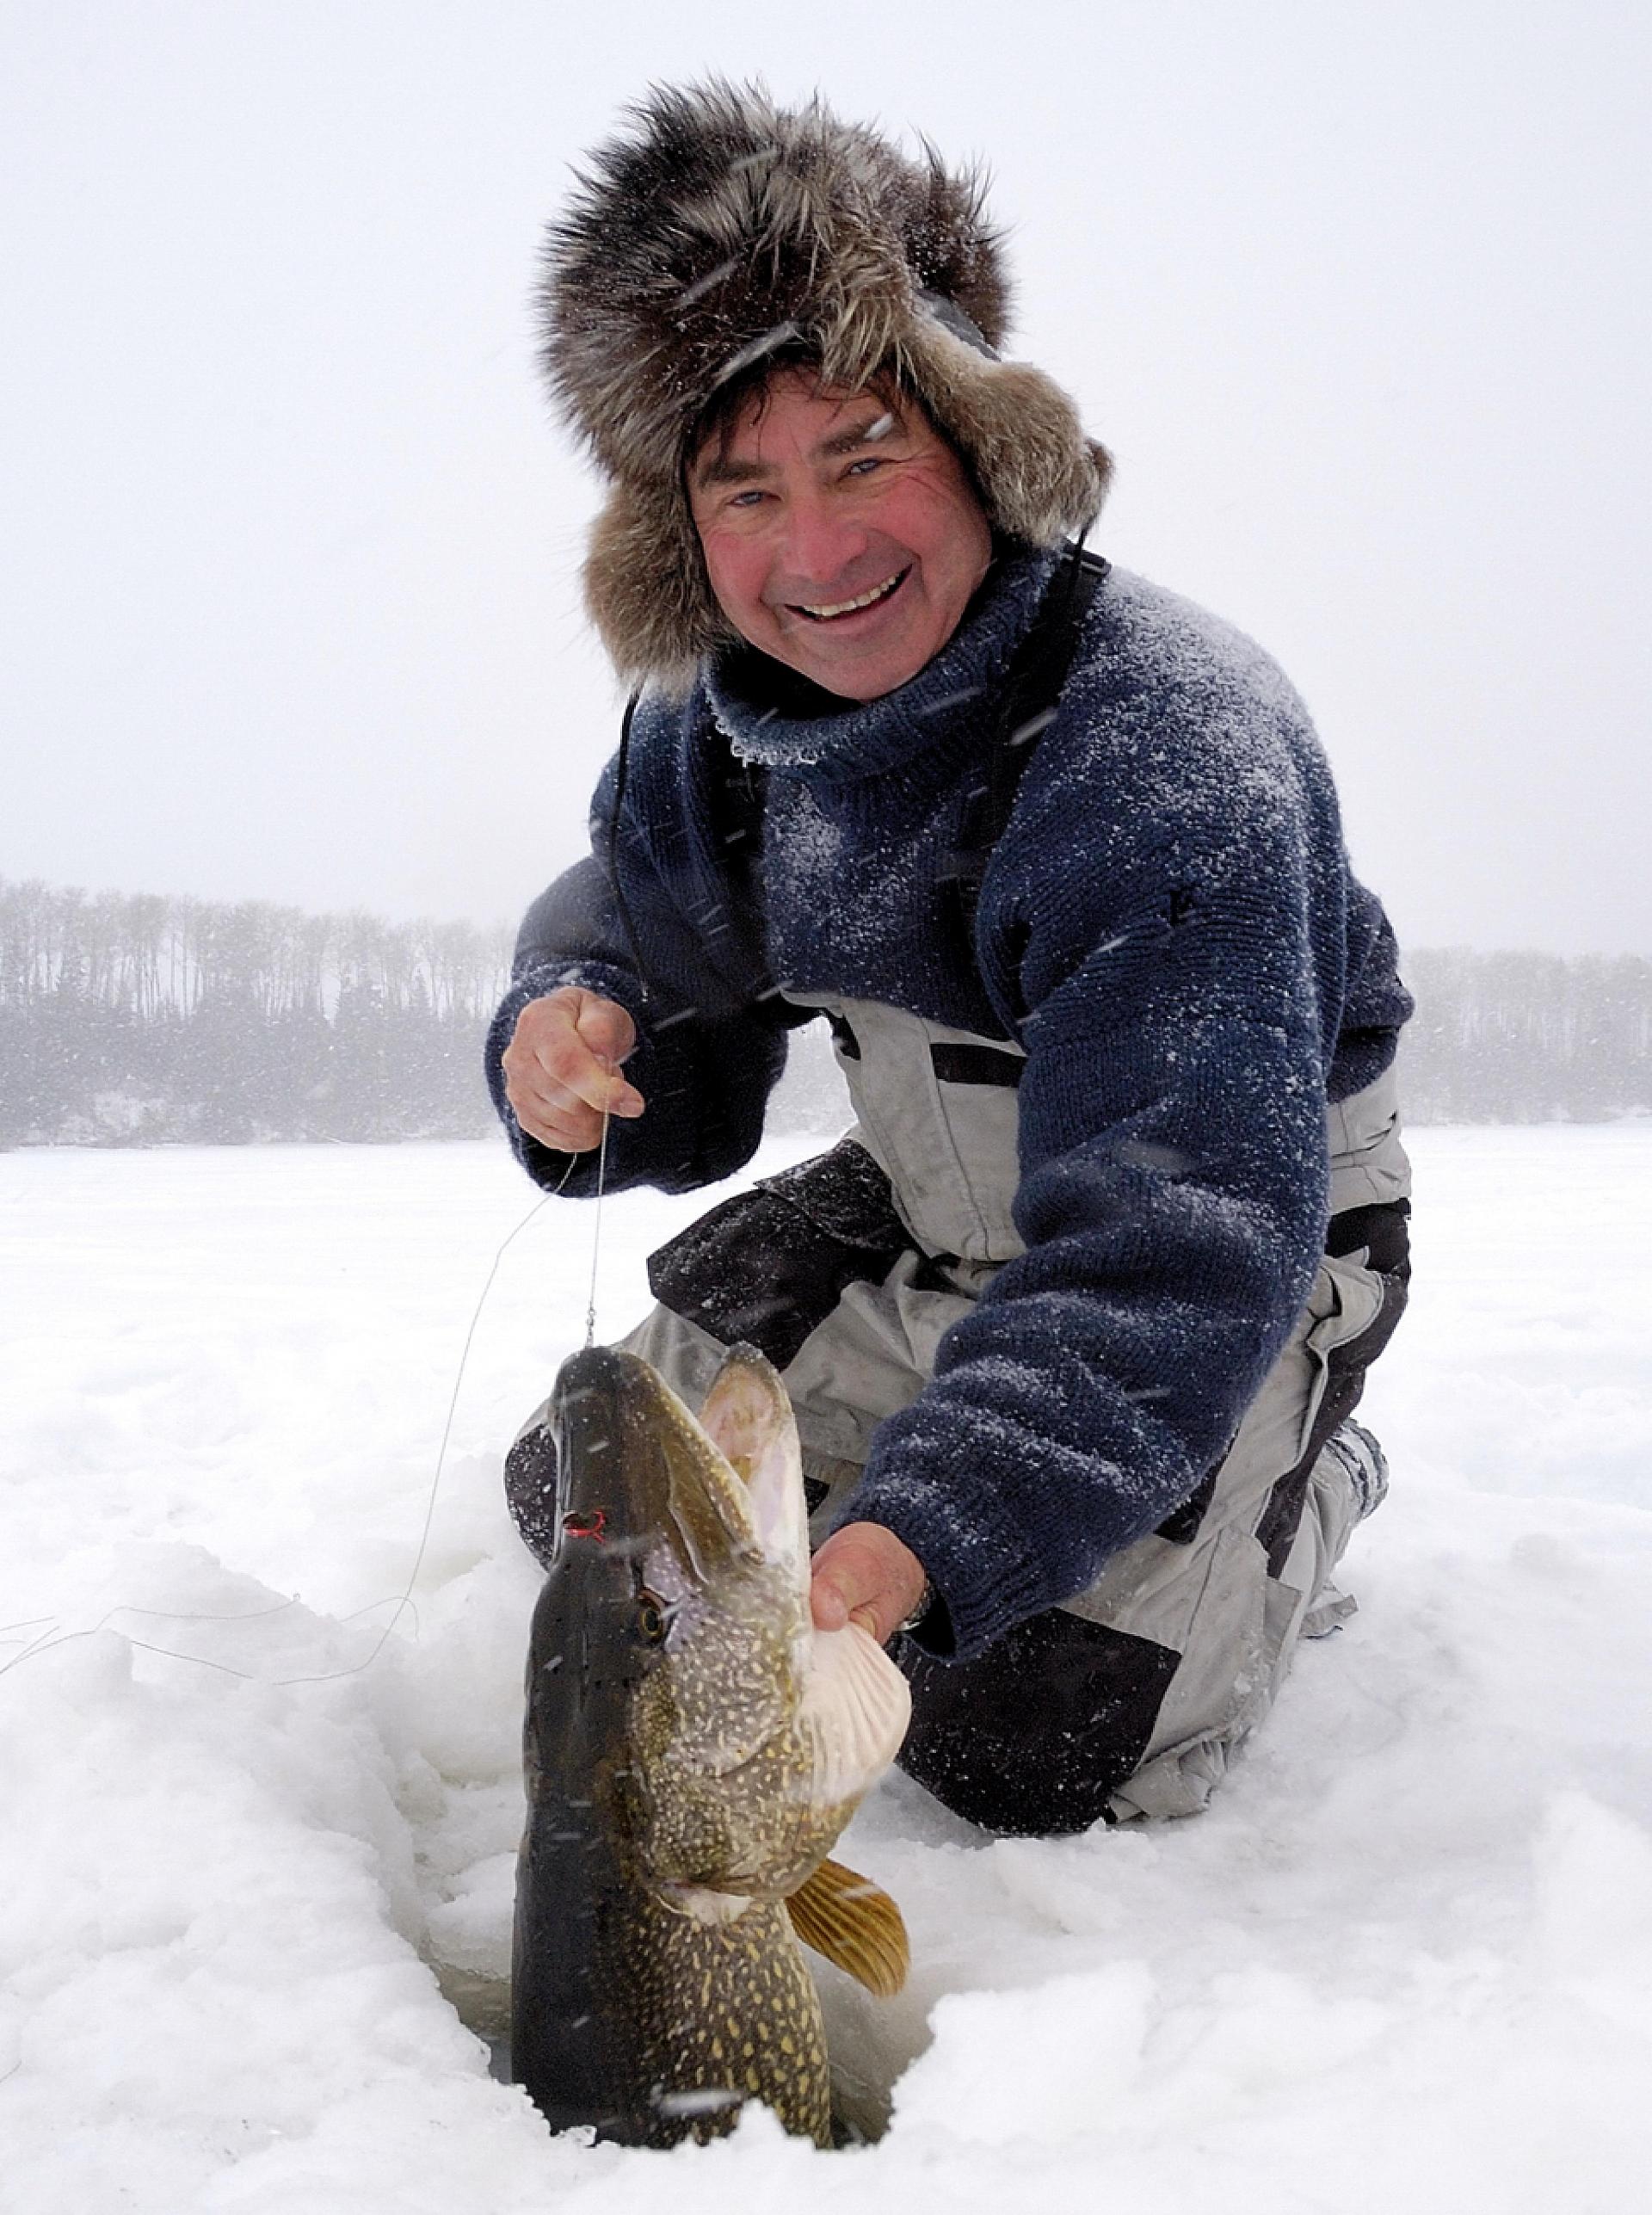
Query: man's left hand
[[864, 1574]]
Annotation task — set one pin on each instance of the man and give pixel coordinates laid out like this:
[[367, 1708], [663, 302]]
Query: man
[[1073, 1319]]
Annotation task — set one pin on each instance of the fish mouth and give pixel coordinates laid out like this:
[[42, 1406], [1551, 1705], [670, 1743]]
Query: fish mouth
[[599, 1497], [842, 611]]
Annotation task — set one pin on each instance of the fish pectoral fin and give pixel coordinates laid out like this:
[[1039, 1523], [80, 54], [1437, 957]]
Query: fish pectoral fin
[[701, 1905], [854, 1713], [855, 1923]]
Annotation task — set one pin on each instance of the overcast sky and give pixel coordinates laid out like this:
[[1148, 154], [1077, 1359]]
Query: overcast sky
[[1357, 294]]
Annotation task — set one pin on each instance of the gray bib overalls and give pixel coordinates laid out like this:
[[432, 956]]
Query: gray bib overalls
[[1130, 1700]]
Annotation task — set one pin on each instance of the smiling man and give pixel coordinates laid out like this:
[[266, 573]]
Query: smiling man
[[840, 531], [1075, 1317]]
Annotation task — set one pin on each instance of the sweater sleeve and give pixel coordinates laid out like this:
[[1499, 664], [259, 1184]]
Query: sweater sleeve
[[1172, 1200], [706, 1059]]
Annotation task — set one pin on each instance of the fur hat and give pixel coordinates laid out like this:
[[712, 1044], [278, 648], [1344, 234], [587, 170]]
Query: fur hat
[[721, 228]]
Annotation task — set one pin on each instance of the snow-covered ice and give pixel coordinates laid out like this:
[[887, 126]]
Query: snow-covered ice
[[254, 1905]]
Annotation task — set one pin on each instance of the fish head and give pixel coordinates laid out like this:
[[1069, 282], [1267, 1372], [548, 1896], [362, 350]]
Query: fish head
[[595, 1635]]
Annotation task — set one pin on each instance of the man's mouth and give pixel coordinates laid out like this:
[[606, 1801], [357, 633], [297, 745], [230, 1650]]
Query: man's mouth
[[834, 608]]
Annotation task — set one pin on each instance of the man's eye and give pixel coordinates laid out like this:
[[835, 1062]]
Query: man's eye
[[865, 466], [745, 499]]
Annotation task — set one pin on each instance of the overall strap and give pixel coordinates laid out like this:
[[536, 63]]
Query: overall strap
[[621, 772], [1027, 707], [735, 795]]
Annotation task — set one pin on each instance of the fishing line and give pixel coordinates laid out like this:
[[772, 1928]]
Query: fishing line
[[406, 1598], [26, 1623], [46, 1642], [596, 1232], [37, 1644]]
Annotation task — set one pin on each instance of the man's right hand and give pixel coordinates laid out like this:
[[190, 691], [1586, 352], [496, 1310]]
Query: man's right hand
[[562, 1068]]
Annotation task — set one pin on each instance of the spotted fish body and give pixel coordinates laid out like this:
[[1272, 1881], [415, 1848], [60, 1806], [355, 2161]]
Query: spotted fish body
[[692, 1749]]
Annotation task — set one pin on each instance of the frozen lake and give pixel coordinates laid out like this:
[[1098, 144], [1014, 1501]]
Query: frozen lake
[[1405, 1962]]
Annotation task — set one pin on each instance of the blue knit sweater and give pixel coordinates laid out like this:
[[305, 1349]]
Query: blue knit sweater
[[1168, 926]]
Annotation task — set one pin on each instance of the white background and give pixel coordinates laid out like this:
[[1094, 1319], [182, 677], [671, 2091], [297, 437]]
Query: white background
[[1356, 292]]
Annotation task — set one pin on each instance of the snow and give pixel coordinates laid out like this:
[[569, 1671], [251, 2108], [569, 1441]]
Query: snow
[[255, 1905]]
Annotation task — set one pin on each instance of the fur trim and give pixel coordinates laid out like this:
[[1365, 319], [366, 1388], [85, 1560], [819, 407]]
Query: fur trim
[[721, 227]]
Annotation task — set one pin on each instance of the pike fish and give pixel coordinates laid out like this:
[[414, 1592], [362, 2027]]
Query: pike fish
[[693, 1748]]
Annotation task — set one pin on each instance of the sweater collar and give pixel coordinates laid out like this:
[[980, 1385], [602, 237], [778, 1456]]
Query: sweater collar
[[769, 715]]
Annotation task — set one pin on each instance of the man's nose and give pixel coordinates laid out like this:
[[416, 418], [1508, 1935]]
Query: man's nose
[[821, 541]]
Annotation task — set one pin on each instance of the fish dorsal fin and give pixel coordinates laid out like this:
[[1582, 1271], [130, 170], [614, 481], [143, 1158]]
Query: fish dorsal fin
[[855, 1707], [855, 1923], [748, 1418]]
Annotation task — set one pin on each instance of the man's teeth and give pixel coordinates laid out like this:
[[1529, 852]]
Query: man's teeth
[[848, 607]]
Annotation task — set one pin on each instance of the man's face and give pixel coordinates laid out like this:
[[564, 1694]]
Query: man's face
[[841, 533]]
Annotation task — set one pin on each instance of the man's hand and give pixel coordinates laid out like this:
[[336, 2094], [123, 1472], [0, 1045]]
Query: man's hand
[[562, 1068], [864, 1574]]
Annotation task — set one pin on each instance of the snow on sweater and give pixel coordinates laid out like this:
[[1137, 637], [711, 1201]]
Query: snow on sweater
[[1168, 928]]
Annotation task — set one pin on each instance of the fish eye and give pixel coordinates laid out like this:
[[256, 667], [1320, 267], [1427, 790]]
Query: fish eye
[[653, 1619]]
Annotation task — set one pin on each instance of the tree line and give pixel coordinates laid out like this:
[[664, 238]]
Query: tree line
[[137, 1019], [1527, 1037], [134, 1019]]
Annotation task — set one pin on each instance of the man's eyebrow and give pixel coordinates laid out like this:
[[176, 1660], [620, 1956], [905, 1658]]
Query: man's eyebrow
[[723, 469], [869, 433]]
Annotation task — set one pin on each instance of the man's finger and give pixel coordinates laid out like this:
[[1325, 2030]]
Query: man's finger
[[864, 1574], [568, 1133], [829, 1608], [567, 1071], [606, 1028], [562, 1063], [607, 1032], [564, 1135], [551, 1112]]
